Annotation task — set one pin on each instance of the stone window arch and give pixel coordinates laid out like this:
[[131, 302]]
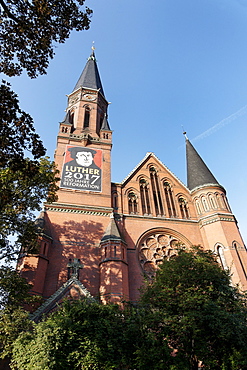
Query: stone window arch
[[169, 199], [158, 205], [224, 201], [204, 203], [144, 193], [157, 244], [212, 201], [115, 200], [132, 202], [221, 256], [219, 200], [183, 206], [198, 206], [87, 112]]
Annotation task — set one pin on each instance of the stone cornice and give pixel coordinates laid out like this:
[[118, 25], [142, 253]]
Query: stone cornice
[[216, 217], [81, 209], [173, 219]]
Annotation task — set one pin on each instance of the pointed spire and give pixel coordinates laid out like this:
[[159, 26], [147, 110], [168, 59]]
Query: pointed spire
[[90, 77], [105, 125], [112, 232], [198, 174], [66, 120]]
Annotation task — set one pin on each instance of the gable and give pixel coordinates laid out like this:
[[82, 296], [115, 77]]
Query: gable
[[143, 167], [72, 288], [152, 190]]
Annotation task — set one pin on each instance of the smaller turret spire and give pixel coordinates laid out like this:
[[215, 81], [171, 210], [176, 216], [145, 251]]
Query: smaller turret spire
[[198, 174]]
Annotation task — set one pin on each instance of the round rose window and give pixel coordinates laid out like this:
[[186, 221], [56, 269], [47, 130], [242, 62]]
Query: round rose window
[[154, 248]]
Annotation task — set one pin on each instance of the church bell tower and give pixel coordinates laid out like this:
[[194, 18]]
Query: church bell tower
[[73, 235]]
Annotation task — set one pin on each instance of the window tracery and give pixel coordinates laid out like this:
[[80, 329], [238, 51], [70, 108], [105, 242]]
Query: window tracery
[[169, 199], [158, 206], [183, 205], [155, 247], [132, 202], [144, 192]]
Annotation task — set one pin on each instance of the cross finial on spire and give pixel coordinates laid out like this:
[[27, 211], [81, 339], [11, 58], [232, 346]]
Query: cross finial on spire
[[184, 133], [93, 47]]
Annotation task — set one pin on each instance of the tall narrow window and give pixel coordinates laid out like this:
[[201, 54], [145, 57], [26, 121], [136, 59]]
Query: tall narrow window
[[45, 249], [205, 204], [86, 117], [144, 197], [115, 200], [198, 207], [156, 192], [212, 201], [183, 207], [132, 203], [72, 121], [219, 201], [169, 200], [220, 252], [224, 201]]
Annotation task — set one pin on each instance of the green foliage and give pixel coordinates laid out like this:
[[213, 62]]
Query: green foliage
[[80, 335], [30, 29], [192, 304], [12, 323], [13, 318], [24, 182], [13, 289]]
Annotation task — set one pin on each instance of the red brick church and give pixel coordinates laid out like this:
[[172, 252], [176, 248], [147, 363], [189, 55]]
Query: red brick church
[[100, 238]]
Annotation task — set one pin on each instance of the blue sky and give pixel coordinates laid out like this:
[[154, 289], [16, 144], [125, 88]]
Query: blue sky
[[165, 65]]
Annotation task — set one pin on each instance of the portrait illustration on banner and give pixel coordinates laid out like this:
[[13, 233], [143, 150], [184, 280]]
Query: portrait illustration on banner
[[82, 169]]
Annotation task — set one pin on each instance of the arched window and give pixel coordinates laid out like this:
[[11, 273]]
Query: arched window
[[198, 207], [219, 201], [212, 202], [86, 117], [158, 206], [115, 200], [205, 204], [183, 207], [169, 199], [132, 203], [221, 255], [144, 197], [224, 202]]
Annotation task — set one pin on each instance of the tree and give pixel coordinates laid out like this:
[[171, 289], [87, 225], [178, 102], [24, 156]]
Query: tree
[[14, 293], [80, 335], [192, 303], [24, 182], [30, 29]]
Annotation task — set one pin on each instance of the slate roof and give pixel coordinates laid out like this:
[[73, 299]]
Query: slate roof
[[90, 76], [51, 303], [112, 232], [105, 124], [198, 174], [66, 120]]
